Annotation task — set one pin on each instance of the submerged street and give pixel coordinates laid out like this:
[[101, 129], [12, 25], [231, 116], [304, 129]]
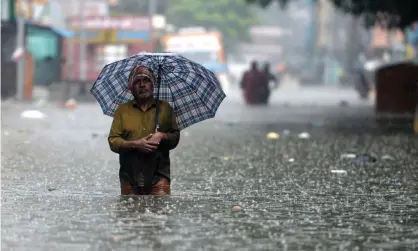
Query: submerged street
[[329, 179]]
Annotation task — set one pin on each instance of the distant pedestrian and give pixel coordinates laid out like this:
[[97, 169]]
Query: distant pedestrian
[[266, 86], [252, 84]]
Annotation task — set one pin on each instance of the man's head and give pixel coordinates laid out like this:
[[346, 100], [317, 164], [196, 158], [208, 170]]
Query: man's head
[[267, 66], [141, 83], [254, 65]]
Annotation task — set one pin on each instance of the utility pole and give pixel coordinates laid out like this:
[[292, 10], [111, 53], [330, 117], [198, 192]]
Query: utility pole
[[70, 42], [20, 45], [152, 9], [83, 48]]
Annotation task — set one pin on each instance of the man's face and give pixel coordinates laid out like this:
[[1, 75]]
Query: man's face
[[142, 88]]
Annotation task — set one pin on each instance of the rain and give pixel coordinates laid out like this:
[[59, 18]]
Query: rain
[[313, 169]]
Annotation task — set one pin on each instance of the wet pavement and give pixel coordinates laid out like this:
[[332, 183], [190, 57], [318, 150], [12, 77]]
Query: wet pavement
[[329, 179]]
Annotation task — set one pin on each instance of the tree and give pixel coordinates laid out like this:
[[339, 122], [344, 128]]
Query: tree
[[232, 18], [135, 7], [391, 13]]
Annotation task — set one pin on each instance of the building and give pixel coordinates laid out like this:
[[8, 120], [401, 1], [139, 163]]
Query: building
[[108, 39]]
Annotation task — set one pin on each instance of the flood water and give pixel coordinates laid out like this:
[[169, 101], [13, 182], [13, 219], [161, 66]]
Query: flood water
[[60, 187]]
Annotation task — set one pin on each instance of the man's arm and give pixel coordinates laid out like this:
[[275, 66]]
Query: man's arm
[[172, 136], [115, 139], [115, 135]]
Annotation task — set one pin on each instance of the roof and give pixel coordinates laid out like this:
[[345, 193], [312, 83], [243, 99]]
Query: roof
[[59, 31]]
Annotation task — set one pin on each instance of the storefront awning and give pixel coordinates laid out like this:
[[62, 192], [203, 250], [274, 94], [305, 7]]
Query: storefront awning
[[59, 31]]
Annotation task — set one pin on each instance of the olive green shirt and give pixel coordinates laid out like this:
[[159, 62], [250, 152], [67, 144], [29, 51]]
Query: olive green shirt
[[131, 123]]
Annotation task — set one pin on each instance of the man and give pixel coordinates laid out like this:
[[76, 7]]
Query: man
[[252, 84], [143, 151], [266, 86]]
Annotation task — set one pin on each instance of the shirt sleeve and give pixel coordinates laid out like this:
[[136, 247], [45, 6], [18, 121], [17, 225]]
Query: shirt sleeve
[[173, 133], [115, 135]]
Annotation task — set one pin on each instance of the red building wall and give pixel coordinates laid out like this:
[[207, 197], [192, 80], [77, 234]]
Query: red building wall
[[92, 72]]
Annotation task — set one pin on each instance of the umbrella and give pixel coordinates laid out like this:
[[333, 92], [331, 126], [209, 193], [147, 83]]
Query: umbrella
[[193, 91]]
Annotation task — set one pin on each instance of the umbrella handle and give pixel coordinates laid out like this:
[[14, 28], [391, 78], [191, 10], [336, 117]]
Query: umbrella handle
[[157, 108]]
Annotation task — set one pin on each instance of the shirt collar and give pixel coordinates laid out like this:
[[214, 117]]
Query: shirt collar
[[153, 102]]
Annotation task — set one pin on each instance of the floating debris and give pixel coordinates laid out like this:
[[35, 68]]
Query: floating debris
[[304, 135], [32, 114], [50, 189], [291, 160], [348, 156], [339, 171], [366, 158], [387, 157], [236, 208], [358, 158], [70, 104], [273, 135]]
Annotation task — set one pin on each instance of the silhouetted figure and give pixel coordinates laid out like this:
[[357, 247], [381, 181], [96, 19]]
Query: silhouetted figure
[[266, 86], [252, 83]]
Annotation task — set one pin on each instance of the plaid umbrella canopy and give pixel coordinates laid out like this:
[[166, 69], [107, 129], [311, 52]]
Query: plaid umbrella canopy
[[193, 91]]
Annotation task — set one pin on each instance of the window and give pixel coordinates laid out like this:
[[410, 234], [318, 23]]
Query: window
[[106, 54]]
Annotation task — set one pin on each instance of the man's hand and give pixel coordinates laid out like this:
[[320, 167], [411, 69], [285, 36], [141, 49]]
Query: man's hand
[[157, 137], [145, 145]]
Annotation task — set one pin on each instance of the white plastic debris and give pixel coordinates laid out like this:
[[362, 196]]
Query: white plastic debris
[[339, 171], [304, 135], [273, 135], [387, 157], [32, 114], [348, 156], [291, 160]]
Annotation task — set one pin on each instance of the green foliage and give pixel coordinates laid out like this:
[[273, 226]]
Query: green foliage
[[398, 13], [265, 3], [231, 17]]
